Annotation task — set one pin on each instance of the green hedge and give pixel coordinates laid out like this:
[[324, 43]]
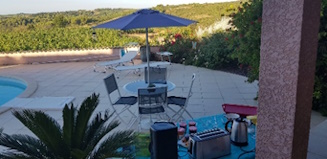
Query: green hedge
[[214, 52], [61, 38], [210, 52]]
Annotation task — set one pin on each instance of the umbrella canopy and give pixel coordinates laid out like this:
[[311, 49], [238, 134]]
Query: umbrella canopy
[[146, 18]]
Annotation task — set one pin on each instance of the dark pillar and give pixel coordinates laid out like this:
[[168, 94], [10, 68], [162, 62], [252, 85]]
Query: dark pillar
[[288, 53]]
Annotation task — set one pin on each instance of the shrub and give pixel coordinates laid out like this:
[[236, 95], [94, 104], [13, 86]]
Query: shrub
[[214, 52], [245, 42], [180, 47], [245, 36], [320, 87], [211, 52]]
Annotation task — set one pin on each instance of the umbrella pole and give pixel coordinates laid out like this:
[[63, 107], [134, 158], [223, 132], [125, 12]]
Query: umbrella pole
[[147, 54]]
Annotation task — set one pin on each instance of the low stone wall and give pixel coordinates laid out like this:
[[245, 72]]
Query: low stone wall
[[62, 56], [57, 56]]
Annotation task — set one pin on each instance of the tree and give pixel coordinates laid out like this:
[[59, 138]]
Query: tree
[[60, 21], [320, 87], [245, 40], [245, 37], [76, 21], [80, 136], [214, 52]]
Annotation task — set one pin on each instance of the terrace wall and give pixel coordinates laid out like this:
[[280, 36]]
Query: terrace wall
[[62, 56]]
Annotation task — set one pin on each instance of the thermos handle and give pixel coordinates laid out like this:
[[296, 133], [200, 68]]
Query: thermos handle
[[226, 126]]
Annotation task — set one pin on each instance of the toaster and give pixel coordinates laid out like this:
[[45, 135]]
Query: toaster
[[209, 144]]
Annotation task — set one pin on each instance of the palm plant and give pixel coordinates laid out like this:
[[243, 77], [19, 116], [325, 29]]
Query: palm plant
[[80, 136]]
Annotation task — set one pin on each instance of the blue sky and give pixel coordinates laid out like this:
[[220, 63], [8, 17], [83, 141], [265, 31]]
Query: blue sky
[[36, 6]]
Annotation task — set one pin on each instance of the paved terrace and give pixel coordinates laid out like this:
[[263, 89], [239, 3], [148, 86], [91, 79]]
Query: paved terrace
[[211, 89]]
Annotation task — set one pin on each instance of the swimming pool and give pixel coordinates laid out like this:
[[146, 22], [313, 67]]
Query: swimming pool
[[10, 88]]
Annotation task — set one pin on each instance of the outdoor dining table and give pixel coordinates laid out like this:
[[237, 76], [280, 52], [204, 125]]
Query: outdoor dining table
[[209, 122], [132, 87]]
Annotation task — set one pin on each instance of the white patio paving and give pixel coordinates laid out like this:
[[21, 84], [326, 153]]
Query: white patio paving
[[211, 89]]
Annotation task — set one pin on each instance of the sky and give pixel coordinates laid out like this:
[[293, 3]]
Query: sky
[[36, 6]]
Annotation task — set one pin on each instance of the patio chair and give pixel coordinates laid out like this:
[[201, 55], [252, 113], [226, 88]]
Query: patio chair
[[125, 57], [152, 100], [182, 102], [157, 75], [124, 102]]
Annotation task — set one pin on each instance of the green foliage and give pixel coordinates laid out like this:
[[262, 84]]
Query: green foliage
[[61, 38], [82, 136], [60, 21], [69, 30], [142, 142], [245, 36], [214, 52], [211, 52], [205, 14], [320, 87], [180, 47], [245, 40]]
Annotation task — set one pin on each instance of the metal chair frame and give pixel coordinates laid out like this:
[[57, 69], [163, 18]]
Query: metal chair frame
[[152, 100], [183, 105], [157, 75], [126, 102]]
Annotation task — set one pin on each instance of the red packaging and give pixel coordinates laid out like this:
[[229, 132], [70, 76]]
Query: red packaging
[[191, 123], [193, 129], [182, 125]]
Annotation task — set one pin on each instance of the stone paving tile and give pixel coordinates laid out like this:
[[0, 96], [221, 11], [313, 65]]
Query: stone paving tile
[[251, 102], [321, 130], [195, 95], [5, 117], [234, 101], [248, 90], [195, 101], [212, 102], [315, 156], [12, 125], [317, 119], [317, 144], [194, 115], [210, 90], [196, 109], [232, 95], [249, 96], [212, 95]]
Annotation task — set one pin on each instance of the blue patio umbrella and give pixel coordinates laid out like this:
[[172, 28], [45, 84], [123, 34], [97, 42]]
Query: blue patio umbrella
[[146, 18]]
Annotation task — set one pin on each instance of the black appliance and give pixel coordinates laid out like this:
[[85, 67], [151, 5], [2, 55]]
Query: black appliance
[[163, 141]]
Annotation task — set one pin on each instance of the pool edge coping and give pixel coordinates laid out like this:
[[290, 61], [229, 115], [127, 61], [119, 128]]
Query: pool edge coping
[[31, 87]]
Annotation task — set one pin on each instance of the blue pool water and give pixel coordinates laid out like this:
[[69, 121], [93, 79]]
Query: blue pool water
[[10, 88]]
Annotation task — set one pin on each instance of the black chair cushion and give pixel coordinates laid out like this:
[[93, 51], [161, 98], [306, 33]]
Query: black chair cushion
[[177, 100], [131, 100], [147, 110]]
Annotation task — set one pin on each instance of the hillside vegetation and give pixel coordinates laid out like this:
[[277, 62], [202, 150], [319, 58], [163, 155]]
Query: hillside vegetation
[[72, 30], [205, 14]]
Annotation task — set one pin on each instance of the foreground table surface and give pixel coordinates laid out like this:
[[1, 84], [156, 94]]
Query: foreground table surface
[[217, 121], [133, 86]]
